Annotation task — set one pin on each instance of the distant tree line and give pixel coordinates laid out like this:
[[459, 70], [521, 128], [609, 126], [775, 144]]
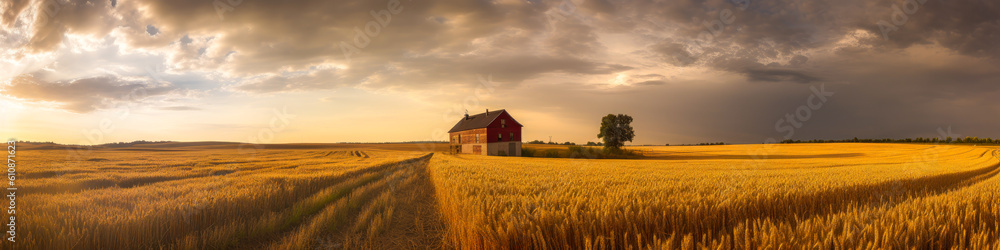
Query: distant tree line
[[967, 139], [126, 144], [36, 142], [614, 132], [711, 143], [580, 152], [564, 143]]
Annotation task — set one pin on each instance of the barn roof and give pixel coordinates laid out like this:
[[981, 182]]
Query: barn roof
[[479, 121]]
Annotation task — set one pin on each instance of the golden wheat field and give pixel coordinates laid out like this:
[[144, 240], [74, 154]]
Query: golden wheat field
[[205, 196], [820, 196]]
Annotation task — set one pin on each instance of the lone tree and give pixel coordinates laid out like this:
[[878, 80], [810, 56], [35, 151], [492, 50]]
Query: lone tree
[[615, 131]]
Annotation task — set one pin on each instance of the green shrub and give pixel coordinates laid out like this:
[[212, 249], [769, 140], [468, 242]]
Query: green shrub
[[584, 152], [552, 153], [527, 152]]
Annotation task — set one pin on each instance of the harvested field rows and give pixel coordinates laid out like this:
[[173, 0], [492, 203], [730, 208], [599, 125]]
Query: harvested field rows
[[212, 198]]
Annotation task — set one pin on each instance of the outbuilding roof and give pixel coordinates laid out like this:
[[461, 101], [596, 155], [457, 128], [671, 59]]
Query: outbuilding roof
[[478, 121]]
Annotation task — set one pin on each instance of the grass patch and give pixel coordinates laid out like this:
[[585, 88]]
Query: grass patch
[[579, 152]]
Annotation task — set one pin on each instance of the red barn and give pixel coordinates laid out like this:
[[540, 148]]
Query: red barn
[[490, 133]]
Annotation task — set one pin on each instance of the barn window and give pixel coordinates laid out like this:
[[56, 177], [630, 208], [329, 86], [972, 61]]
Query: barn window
[[499, 137], [477, 138], [511, 138], [503, 123]]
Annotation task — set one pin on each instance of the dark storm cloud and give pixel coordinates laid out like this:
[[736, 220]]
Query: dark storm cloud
[[969, 27], [252, 37], [673, 53], [316, 29], [507, 69], [778, 75], [782, 29], [910, 104], [572, 37], [270, 37], [85, 95]]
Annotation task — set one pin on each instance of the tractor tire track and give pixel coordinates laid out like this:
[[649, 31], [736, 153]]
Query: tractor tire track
[[301, 213], [330, 215]]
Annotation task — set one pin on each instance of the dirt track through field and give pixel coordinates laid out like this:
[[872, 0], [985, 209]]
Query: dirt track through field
[[415, 224], [296, 216]]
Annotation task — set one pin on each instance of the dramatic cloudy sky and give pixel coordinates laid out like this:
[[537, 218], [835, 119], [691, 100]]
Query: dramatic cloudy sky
[[740, 71]]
